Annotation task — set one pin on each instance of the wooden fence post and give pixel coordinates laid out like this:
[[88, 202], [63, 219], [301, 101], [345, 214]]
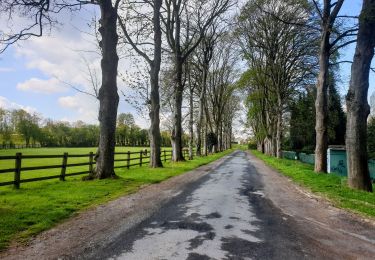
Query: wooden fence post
[[165, 156], [17, 172], [63, 167], [91, 163], [140, 157], [128, 161]]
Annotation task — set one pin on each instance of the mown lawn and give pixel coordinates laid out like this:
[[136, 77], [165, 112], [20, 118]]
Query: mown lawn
[[329, 186], [8, 164], [38, 206]]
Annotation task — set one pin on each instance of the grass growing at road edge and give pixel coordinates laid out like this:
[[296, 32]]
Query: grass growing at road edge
[[330, 186], [39, 206]]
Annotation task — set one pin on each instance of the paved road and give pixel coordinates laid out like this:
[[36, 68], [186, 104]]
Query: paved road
[[224, 215]]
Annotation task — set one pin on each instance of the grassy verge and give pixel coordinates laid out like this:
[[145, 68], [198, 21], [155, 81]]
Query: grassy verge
[[38, 206], [329, 186]]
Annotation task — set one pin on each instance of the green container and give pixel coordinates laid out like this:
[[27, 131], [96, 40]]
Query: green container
[[289, 155], [307, 158], [336, 161], [371, 168]]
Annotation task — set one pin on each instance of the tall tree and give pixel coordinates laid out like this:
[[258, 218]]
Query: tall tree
[[356, 100], [332, 39], [205, 54], [39, 12], [185, 23], [285, 56], [154, 62]]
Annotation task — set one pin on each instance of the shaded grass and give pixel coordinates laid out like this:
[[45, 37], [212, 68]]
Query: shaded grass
[[330, 186], [38, 206]]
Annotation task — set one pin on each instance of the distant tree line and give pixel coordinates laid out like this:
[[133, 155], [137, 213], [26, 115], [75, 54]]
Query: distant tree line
[[18, 127]]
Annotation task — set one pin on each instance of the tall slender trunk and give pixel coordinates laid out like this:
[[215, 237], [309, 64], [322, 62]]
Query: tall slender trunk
[[356, 101], [191, 124], [201, 110], [279, 126], [154, 133], [221, 137], [279, 135], [321, 106], [108, 96], [216, 146], [205, 140], [177, 113]]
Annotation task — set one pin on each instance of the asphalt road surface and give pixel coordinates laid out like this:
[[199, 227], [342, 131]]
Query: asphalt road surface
[[224, 215]]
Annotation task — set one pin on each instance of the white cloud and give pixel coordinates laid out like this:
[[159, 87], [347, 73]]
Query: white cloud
[[62, 58], [36, 85], [9, 105], [84, 106]]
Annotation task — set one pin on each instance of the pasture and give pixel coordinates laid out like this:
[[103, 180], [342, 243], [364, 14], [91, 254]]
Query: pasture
[[39, 162]]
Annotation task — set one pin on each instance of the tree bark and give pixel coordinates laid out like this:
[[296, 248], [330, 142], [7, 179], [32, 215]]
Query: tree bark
[[321, 106], [356, 101], [191, 123], [108, 96], [155, 138], [202, 97], [177, 113], [205, 139], [279, 126]]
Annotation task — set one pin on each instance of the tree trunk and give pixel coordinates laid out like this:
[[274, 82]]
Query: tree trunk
[[177, 113], [191, 124], [199, 125], [321, 106], [155, 138], [279, 127], [221, 137], [205, 140], [108, 96], [356, 101], [230, 137], [201, 111]]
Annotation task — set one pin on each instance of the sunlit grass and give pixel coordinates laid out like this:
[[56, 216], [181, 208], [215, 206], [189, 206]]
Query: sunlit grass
[[330, 186], [8, 164]]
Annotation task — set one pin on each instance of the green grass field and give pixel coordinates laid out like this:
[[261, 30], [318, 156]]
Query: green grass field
[[37, 206], [7, 164], [329, 186]]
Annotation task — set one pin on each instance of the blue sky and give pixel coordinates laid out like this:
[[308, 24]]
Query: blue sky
[[34, 73], [37, 74], [351, 7]]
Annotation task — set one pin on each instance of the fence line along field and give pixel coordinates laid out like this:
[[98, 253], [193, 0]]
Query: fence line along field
[[76, 161]]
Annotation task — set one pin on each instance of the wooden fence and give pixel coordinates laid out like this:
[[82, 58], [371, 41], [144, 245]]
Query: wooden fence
[[128, 161]]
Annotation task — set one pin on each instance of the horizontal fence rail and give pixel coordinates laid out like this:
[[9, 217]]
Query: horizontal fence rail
[[128, 160]]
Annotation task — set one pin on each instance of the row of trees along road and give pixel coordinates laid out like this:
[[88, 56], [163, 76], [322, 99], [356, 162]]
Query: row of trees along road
[[291, 45], [18, 128], [155, 30], [189, 51]]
